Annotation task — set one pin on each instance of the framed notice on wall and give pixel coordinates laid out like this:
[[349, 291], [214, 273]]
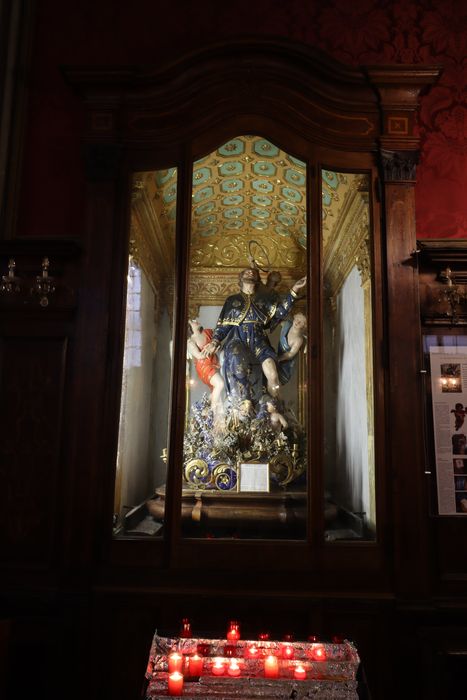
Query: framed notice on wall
[[448, 368]]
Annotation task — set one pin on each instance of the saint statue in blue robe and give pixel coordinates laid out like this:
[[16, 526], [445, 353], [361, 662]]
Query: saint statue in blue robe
[[243, 330]]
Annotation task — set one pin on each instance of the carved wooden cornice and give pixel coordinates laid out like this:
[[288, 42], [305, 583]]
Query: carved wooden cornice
[[400, 86], [450, 253], [327, 101], [399, 89]]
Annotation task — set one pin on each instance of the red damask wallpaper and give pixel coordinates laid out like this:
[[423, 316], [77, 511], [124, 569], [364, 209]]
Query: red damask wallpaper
[[145, 32], [431, 31]]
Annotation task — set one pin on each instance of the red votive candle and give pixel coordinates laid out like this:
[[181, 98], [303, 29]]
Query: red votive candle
[[218, 667], [175, 662], [233, 633], [263, 636], [288, 637], [271, 666], [234, 668], [318, 652], [299, 673], [203, 649], [176, 683], [252, 652], [185, 631], [288, 652], [312, 637], [195, 665]]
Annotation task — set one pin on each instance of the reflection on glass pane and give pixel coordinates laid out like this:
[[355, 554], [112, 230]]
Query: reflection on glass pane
[[147, 361], [347, 353], [245, 446]]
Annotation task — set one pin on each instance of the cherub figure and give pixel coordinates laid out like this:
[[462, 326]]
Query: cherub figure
[[270, 407], [459, 414], [207, 368], [291, 340], [278, 421]]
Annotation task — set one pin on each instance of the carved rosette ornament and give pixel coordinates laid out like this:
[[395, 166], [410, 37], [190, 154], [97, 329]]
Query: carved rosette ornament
[[399, 166]]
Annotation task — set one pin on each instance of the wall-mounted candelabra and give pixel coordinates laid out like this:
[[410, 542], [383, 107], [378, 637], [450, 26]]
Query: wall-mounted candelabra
[[43, 286], [452, 294], [10, 282]]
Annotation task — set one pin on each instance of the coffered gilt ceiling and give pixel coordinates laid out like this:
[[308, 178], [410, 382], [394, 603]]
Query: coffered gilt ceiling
[[246, 190]]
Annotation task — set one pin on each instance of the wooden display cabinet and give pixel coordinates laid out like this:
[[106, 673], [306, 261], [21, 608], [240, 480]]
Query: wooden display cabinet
[[334, 119]]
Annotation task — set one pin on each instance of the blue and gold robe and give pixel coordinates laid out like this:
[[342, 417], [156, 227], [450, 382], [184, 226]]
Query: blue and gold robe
[[243, 327]]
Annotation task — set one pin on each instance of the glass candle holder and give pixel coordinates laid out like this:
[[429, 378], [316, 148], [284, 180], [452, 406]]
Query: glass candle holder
[[218, 667], [299, 673], [338, 638], [175, 662], [271, 666], [318, 652], [252, 652], [195, 665], [185, 631], [233, 668], [233, 633], [175, 682]]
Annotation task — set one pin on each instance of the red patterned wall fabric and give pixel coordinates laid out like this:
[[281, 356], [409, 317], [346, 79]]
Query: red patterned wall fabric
[[432, 31], [353, 31]]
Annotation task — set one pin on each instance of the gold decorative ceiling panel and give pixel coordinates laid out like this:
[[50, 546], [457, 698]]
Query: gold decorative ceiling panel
[[250, 190]]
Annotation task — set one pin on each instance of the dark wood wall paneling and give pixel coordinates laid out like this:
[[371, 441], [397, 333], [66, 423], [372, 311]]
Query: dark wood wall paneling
[[36, 342]]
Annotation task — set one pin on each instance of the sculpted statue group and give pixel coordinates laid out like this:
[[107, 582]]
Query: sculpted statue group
[[251, 365], [245, 413]]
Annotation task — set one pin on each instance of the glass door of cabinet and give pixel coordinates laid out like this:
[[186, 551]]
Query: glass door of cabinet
[[348, 397], [246, 438], [141, 468]]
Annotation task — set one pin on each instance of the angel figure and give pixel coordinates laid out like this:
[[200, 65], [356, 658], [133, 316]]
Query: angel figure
[[291, 340], [270, 407], [207, 368]]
